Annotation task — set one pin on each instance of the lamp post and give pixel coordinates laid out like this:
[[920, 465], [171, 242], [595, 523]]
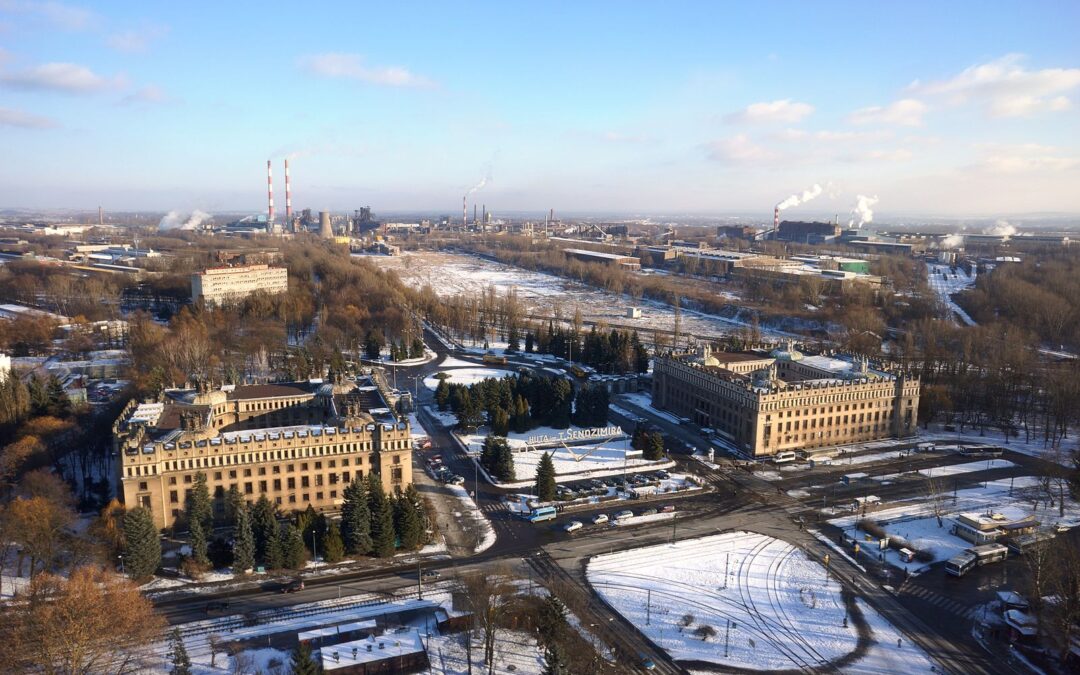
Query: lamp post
[[314, 550], [121, 557]]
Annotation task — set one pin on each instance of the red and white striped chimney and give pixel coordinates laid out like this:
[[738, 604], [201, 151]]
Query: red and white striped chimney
[[269, 192], [776, 218], [288, 194]]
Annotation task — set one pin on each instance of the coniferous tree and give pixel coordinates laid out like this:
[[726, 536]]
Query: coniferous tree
[[383, 537], [500, 422], [265, 529], [442, 394], [332, 547], [407, 523], [142, 552], [654, 446], [233, 500], [563, 395], [243, 540], [529, 342], [302, 662], [504, 464], [513, 340], [293, 553], [200, 518], [554, 660], [181, 663], [356, 519], [545, 479], [551, 620]]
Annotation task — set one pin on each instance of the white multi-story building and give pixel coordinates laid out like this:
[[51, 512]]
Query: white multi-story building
[[221, 285]]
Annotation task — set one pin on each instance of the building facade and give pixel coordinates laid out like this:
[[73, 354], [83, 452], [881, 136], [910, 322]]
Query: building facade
[[222, 285], [297, 443], [762, 403]]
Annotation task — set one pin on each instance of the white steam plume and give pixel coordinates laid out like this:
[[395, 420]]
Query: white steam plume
[[175, 220], [952, 241], [1001, 228], [862, 213], [796, 199], [479, 186]]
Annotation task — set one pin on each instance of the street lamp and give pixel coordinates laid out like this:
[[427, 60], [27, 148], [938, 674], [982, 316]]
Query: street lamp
[[314, 550], [121, 557]]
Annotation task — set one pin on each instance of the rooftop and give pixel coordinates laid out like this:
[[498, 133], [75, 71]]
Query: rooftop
[[371, 649]]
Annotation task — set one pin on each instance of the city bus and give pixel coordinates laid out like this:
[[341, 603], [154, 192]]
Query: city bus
[[540, 514], [961, 564], [491, 357]]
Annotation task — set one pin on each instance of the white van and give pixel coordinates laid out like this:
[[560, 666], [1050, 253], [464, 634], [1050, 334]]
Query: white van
[[784, 457]]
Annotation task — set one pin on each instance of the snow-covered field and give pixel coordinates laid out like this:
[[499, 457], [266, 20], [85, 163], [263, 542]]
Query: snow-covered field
[[913, 520], [768, 606], [466, 376], [456, 274]]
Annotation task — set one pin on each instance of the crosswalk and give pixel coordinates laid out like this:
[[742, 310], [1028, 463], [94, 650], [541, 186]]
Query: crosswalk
[[947, 604], [493, 507]]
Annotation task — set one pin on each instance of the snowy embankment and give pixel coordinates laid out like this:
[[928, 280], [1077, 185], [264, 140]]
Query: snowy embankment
[[740, 599], [486, 533]]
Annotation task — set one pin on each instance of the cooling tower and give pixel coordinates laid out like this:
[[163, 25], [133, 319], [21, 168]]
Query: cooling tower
[[325, 231]]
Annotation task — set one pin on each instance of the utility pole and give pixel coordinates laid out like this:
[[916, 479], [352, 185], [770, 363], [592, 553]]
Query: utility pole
[[648, 606], [419, 582], [727, 638]]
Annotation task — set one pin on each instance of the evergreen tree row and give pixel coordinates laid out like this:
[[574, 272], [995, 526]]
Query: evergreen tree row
[[649, 441], [515, 403], [497, 459], [617, 351]]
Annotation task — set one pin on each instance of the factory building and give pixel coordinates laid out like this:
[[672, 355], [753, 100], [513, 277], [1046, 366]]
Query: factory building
[[625, 261], [807, 232], [221, 285], [762, 403], [296, 443]]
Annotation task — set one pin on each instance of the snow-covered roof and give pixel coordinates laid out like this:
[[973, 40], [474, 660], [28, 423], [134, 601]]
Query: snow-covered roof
[[371, 649], [827, 363]]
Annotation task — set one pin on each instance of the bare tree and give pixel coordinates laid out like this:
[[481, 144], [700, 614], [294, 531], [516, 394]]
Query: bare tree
[[93, 622], [935, 497], [489, 599]]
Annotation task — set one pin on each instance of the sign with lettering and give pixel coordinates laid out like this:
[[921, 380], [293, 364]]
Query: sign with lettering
[[577, 435]]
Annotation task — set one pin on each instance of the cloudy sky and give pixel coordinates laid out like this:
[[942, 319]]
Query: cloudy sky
[[954, 109]]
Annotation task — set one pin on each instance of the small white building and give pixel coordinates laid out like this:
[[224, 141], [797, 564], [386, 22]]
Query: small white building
[[633, 313]]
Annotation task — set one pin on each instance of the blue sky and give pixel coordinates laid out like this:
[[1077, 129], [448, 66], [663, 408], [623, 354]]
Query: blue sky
[[952, 109]]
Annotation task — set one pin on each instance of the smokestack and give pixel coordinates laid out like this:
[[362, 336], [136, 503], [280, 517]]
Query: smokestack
[[474, 213], [325, 230], [464, 211], [100, 216], [776, 218], [288, 194], [269, 193], [483, 214]]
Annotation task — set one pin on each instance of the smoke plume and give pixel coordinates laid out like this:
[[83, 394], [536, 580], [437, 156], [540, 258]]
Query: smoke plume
[[862, 213], [1001, 228], [796, 199], [952, 241], [176, 220]]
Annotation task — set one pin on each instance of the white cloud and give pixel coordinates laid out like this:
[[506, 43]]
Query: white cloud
[[66, 17], [70, 78], [737, 149], [10, 117], [1005, 88], [906, 112], [352, 67], [147, 94], [784, 110], [1025, 158], [136, 41]]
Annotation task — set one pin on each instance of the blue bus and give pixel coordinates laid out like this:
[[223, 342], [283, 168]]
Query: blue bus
[[541, 514]]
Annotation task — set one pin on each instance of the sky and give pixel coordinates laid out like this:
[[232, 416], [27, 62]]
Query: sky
[[957, 109]]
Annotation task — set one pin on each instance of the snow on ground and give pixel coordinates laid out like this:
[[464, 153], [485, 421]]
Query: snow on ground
[[1034, 448], [466, 376], [644, 400], [945, 286], [460, 274], [785, 610], [884, 657], [967, 467], [914, 521], [385, 360], [515, 652], [486, 533]]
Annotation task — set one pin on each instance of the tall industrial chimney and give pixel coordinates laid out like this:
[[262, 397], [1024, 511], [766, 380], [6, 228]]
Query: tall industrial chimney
[[325, 230], [100, 216], [483, 215], [464, 211], [474, 213], [269, 193], [288, 195], [776, 219]]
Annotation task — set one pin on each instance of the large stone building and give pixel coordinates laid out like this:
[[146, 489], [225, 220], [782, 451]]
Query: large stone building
[[763, 403], [220, 285], [297, 443]]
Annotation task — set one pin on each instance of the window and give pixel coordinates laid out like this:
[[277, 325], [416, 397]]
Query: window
[[248, 489], [277, 484], [142, 485], [291, 483], [174, 498], [304, 482], [172, 480], [247, 473], [262, 486], [232, 474], [187, 479]]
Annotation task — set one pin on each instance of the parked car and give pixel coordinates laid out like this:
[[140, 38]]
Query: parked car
[[455, 480], [600, 519], [215, 606], [430, 575], [573, 525], [647, 663], [293, 586], [649, 512], [624, 514], [663, 474], [667, 508], [596, 483]]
